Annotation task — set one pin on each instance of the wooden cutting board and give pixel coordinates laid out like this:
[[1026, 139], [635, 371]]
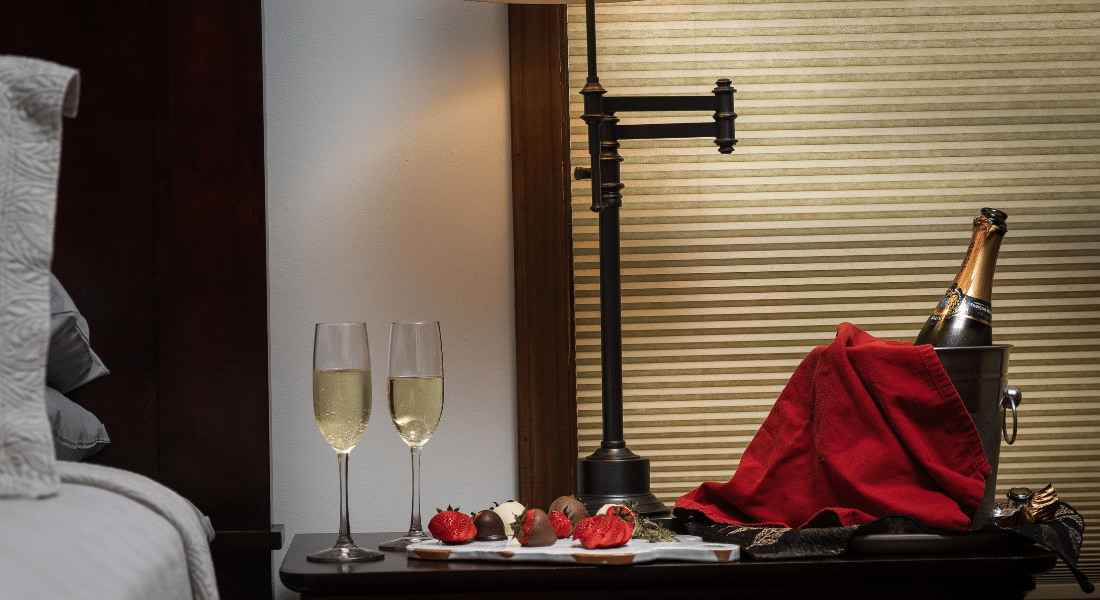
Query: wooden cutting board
[[689, 548]]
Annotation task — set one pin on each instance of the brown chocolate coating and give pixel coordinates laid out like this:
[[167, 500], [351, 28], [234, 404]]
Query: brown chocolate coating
[[490, 527], [541, 532], [572, 508]]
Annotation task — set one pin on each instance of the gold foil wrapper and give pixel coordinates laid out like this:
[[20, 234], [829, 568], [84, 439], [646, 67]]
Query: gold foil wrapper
[[1041, 508]]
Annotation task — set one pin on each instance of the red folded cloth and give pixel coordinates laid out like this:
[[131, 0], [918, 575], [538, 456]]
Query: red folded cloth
[[864, 428]]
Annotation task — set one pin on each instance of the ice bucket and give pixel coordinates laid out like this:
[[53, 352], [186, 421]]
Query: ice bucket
[[979, 374]]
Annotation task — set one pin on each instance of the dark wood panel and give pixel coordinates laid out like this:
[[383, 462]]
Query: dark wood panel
[[545, 360], [126, 404], [211, 260], [271, 539], [251, 575]]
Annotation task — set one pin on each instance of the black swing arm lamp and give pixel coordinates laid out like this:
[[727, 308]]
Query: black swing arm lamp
[[614, 474]]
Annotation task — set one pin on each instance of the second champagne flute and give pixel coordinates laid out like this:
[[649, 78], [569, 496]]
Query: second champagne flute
[[415, 391]]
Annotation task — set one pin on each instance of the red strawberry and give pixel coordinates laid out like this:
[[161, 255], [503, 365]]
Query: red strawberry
[[603, 531], [563, 526], [533, 528], [582, 528], [451, 526], [618, 510]]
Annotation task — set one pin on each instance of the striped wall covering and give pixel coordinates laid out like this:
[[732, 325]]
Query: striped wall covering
[[871, 133]]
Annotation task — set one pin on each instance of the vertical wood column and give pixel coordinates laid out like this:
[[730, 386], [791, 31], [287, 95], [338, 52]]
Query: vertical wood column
[[211, 278], [545, 361]]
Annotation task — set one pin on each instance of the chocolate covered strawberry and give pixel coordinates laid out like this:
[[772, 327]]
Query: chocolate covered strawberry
[[452, 526], [508, 513], [572, 508], [563, 525], [489, 526], [533, 528]]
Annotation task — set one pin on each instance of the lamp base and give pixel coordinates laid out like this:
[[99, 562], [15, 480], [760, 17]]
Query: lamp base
[[617, 476]]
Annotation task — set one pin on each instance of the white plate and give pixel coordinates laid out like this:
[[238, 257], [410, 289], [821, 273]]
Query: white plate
[[689, 548]]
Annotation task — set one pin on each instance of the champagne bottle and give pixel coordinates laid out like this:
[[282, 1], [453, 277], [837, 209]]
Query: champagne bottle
[[965, 315]]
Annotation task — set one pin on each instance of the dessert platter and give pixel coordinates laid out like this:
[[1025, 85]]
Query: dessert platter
[[615, 535], [636, 551]]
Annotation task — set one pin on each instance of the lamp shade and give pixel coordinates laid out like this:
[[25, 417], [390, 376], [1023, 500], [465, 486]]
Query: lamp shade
[[549, 1]]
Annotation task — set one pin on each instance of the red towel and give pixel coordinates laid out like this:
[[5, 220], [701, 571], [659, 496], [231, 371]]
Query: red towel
[[864, 428]]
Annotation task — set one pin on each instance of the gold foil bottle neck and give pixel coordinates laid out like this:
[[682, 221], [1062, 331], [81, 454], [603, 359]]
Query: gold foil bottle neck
[[964, 316], [975, 278]]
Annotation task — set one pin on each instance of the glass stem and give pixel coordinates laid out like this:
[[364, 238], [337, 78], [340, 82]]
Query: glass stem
[[414, 522], [343, 539]]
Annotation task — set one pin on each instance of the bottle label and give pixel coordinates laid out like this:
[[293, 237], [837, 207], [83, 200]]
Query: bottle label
[[957, 303]]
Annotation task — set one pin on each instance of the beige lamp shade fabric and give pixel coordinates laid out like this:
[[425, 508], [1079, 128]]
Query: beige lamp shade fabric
[[548, 1]]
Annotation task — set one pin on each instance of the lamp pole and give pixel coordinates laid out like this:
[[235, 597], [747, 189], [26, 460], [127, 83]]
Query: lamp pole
[[613, 474]]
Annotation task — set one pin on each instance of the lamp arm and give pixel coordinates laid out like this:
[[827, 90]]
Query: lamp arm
[[604, 132], [722, 129]]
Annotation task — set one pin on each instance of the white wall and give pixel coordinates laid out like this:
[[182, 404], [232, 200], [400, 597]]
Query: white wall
[[388, 198]]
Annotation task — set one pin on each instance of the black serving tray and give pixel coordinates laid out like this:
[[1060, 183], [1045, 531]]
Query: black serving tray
[[929, 543]]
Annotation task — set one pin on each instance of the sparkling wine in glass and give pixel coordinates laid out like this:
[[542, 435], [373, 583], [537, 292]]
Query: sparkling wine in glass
[[415, 390], [341, 405]]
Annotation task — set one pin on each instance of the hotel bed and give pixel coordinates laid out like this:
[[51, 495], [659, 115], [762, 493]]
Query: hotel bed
[[68, 528], [158, 242], [106, 533]]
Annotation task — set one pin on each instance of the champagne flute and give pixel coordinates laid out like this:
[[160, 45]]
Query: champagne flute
[[341, 405], [415, 390]]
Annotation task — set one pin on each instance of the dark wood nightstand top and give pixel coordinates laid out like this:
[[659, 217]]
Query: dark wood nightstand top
[[1007, 574]]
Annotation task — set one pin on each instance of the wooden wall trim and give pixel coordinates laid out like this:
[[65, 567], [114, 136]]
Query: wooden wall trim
[[211, 267], [542, 227]]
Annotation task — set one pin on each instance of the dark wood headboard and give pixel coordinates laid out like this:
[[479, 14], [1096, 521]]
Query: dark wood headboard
[[160, 240]]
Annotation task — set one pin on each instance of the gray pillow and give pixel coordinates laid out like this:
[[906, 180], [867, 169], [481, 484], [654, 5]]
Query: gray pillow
[[71, 362], [77, 433]]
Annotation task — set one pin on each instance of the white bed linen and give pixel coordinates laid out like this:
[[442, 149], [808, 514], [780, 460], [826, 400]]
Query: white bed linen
[[67, 530], [109, 534]]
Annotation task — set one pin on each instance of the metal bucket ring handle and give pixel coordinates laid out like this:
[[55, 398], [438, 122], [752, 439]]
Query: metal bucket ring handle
[[1011, 398]]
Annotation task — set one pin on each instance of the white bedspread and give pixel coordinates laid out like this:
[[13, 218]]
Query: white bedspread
[[109, 534]]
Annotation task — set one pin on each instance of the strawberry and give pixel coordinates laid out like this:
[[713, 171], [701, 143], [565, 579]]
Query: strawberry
[[452, 526], [533, 528], [620, 511], [489, 526], [603, 531], [563, 525], [572, 508], [508, 513]]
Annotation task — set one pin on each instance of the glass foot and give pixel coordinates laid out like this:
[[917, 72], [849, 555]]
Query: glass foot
[[406, 540], [341, 555]]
